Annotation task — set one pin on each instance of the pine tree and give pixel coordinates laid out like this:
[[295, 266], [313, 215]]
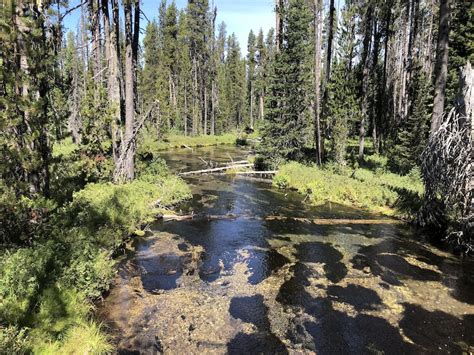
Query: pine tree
[[151, 56], [235, 81], [413, 133], [284, 130]]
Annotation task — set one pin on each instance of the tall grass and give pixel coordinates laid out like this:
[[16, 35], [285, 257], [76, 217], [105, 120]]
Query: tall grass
[[373, 189]]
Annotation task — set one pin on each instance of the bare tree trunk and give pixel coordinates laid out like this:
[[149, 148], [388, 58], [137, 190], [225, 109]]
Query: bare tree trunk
[[205, 111], [375, 59], [278, 25], [262, 105], [185, 109], [251, 105], [332, 10], [365, 78], [404, 62], [111, 29], [317, 78], [427, 65], [94, 14], [129, 89], [214, 71], [213, 109], [195, 98], [441, 69]]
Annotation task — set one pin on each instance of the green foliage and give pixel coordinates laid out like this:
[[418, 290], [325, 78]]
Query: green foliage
[[150, 145], [13, 341], [283, 135], [90, 271], [373, 190], [23, 273], [59, 308], [86, 337], [461, 45], [342, 109], [64, 148], [412, 136]]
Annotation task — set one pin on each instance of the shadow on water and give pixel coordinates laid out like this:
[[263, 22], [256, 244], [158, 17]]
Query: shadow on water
[[253, 310], [340, 288]]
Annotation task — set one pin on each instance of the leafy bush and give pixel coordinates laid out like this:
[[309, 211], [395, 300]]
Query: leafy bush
[[90, 271], [22, 275], [64, 148]]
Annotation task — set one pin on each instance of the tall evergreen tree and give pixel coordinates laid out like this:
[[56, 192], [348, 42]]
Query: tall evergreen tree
[[284, 129]]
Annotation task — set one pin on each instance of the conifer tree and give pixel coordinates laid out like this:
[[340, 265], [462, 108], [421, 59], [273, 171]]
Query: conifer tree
[[284, 129]]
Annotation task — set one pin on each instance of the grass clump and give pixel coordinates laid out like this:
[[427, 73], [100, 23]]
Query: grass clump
[[378, 191], [150, 142]]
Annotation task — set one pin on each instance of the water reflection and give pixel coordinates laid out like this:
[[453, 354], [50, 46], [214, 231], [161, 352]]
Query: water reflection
[[241, 282]]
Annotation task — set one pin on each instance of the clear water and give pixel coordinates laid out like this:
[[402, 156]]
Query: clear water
[[259, 271]]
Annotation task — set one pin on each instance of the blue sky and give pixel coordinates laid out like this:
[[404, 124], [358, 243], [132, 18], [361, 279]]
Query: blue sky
[[240, 15]]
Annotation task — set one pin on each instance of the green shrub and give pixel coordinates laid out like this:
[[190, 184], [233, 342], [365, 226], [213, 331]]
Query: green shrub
[[59, 308], [23, 273], [64, 148], [89, 272], [13, 340]]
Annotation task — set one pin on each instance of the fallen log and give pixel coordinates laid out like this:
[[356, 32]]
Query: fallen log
[[317, 221], [269, 172], [213, 170]]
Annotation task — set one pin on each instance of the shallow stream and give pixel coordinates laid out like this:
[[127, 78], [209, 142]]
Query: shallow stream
[[259, 271]]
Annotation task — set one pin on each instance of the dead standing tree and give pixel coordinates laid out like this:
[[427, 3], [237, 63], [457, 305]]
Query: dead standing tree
[[447, 167]]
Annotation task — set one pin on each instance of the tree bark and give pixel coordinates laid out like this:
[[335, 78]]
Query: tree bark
[[441, 68], [365, 77], [332, 10], [278, 25], [129, 89], [317, 78], [111, 28]]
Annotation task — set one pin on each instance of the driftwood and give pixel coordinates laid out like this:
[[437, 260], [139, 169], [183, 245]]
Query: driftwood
[[268, 172], [318, 221], [213, 170]]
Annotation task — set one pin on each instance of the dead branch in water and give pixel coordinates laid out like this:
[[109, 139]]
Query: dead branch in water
[[212, 170]]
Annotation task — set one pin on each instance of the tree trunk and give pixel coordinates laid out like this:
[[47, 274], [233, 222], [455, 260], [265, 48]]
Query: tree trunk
[[251, 105], [365, 78], [332, 9], [129, 90], [375, 59], [262, 105], [278, 25], [317, 79], [205, 111], [185, 109], [213, 109], [441, 68]]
